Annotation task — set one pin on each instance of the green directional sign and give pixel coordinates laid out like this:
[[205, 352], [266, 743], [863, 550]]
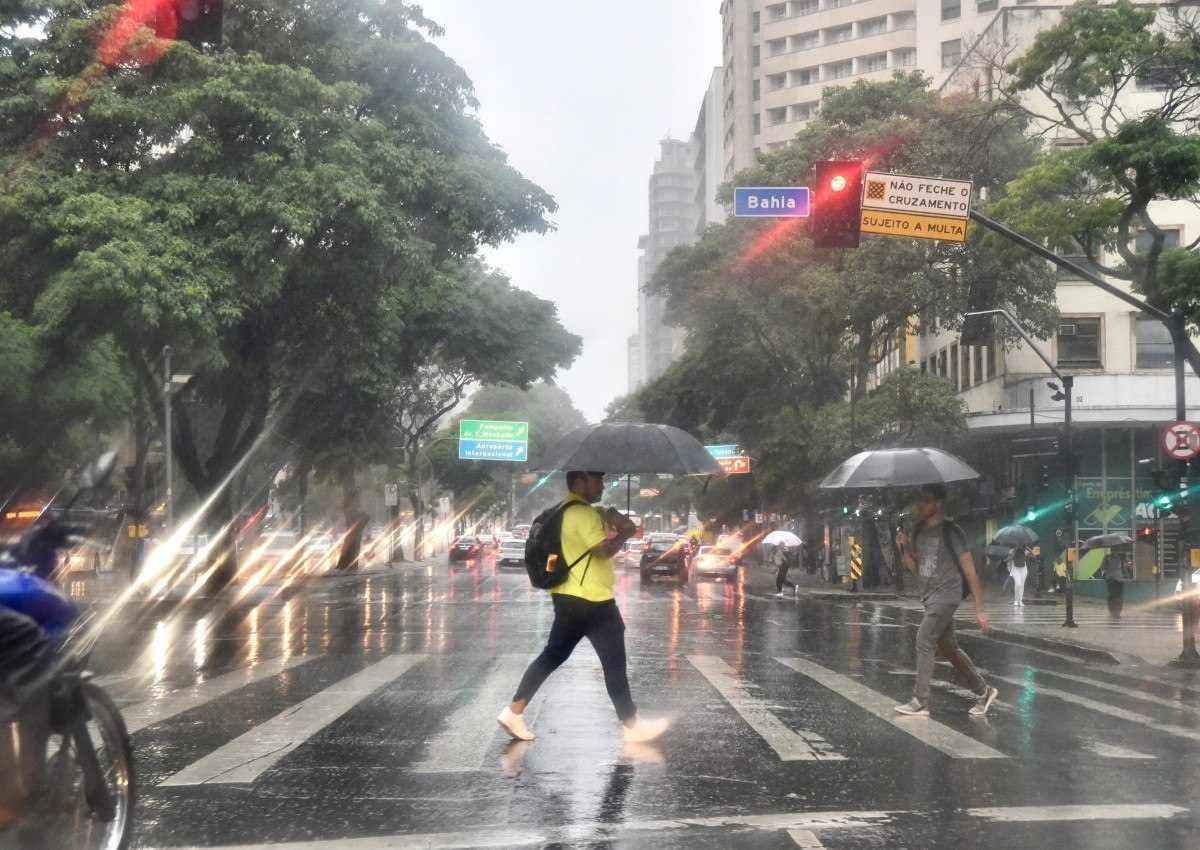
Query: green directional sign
[[486, 429]]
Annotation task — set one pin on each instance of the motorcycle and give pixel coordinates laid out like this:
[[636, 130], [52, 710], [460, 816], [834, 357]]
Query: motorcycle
[[73, 756]]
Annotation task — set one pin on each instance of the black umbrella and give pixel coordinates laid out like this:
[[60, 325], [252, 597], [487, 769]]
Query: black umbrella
[[1106, 541], [628, 447], [898, 468], [1015, 535]]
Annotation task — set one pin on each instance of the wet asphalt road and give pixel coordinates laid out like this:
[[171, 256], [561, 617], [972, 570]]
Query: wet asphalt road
[[359, 713]]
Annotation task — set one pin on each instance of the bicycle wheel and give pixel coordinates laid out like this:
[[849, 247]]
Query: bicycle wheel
[[67, 819]]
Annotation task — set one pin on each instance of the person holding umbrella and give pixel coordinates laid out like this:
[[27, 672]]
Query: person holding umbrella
[[584, 606], [937, 552], [1018, 570]]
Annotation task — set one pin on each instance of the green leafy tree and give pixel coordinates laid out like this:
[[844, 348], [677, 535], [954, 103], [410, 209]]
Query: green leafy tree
[[1118, 86], [320, 178]]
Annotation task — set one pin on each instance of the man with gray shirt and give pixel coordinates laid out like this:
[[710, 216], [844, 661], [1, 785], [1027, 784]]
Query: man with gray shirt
[[938, 554]]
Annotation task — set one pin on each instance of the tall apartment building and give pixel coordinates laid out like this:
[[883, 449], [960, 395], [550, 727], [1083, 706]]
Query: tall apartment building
[[672, 222]]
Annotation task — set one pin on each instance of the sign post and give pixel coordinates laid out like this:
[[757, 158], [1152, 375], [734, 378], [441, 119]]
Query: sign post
[[731, 458], [916, 207], [481, 439], [1181, 440]]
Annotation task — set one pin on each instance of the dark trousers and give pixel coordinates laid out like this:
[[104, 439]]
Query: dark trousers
[[781, 576], [574, 620], [1116, 597]]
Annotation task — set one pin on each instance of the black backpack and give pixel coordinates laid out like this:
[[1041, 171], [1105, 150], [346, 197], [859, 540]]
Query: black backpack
[[544, 560], [949, 529]]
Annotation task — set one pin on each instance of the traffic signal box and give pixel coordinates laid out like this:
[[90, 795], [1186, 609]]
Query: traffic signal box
[[837, 204], [194, 21]]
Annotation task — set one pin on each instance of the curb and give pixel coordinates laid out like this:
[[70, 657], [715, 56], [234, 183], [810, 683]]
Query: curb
[[1088, 653]]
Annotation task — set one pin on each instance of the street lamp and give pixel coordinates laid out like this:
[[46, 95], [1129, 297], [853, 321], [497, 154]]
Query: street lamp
[[1063, 394]]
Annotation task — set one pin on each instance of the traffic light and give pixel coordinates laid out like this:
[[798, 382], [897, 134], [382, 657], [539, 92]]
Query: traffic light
[[194, 21], [1043, 479], [1069, 506], [1030, 514], [1146, 534], [837, 204]]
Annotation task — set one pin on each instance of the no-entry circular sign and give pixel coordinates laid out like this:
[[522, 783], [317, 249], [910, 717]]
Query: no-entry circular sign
[[1181, 441]]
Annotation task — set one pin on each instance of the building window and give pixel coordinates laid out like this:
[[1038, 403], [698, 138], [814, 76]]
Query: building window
[[778, 11], [777, 116], [993, 365], [877, 62], [905, 58], [806, 41], [954, 366], [904, 21], [986, 5], [804, 77], [756, 123], [874, 26], [836, 35], [755, 56], [840, 70], [942, 363], [803, 111], [951, 9], [977, 365], [965, 353], [1155, 350], [1144, 241], [838, 4], [777, 46], [806, 7], [777, 81], [754, 21], [755, 90], [951, 52], [1156, 78], [1079, 343]]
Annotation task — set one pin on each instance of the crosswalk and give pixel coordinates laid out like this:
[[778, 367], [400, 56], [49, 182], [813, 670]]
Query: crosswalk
[[461, 738]]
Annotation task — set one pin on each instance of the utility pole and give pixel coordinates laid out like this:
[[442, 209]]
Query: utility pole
[[1066, 396]]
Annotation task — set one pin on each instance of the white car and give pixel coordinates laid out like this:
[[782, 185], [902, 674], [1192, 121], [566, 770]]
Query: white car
[[631, 552], [1195, 583], [714, 560], [511, 553]]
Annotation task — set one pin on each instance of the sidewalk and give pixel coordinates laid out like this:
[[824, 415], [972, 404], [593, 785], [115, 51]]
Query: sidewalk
[[1141, 635]]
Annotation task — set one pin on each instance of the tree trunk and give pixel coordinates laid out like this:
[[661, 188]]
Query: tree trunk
[[354, 516], [224, 561], [418, 508], [137, 483], [302, 472]]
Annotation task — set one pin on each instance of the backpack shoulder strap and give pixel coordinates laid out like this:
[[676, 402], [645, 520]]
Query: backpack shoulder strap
[[955, 539], [587, 553]]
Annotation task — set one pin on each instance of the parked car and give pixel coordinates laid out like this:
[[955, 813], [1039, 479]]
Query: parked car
[[520, 531], [511, 553], [467, 548], [665, 555], [714, 560], [631, 552]]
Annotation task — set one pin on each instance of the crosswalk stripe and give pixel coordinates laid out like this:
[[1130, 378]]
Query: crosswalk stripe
[[806, 839], [1126, 691], [924, 729], [463, 742], [593, 832], [800, 745], [245, 758], [1104, 708], [1113, 751], [140, 715]]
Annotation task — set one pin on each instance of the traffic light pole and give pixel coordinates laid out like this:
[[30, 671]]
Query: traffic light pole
[[1068, 386], [1188, 657]]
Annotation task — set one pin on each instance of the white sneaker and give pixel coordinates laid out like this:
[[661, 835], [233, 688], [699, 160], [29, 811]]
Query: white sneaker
[[983, 702], [514, 724], [779, 595], [1016, 603], [645, 730], [912, 708]]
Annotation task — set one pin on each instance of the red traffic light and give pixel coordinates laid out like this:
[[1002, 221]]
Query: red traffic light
[[1146, 533], [837, 205], [838, 183]]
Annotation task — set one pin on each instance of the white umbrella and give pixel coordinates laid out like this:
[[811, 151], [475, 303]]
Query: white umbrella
[[781, 538], [898, 468]]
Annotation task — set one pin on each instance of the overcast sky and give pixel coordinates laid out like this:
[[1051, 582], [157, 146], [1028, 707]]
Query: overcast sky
[[579, 93]]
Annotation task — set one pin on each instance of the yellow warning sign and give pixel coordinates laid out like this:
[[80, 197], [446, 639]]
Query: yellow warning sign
[[914, 225]]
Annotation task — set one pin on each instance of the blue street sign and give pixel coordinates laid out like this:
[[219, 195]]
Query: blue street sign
[[509, 450], [730, 450], [771, 201]]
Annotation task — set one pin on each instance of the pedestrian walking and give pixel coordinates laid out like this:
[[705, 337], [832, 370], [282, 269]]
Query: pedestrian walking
[[938, 554], [782, 563], [1115, 571], [1018, 570], [584, 606]]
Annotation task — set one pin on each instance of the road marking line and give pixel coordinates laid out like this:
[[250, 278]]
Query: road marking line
[[142, 714], [1112, 751], [800, 745], [1104, 708], [467, 734], [924, 729], [806, 839], [1122, 690], [505, 835], [245, 758]]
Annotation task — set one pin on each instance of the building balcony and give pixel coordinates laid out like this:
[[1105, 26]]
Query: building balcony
[[857, 11], [851, 48]]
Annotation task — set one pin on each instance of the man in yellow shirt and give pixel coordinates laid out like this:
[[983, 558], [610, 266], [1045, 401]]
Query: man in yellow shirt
[[584, 607]]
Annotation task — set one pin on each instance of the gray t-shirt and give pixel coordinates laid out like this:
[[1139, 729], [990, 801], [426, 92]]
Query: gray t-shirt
[[941, 577]]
